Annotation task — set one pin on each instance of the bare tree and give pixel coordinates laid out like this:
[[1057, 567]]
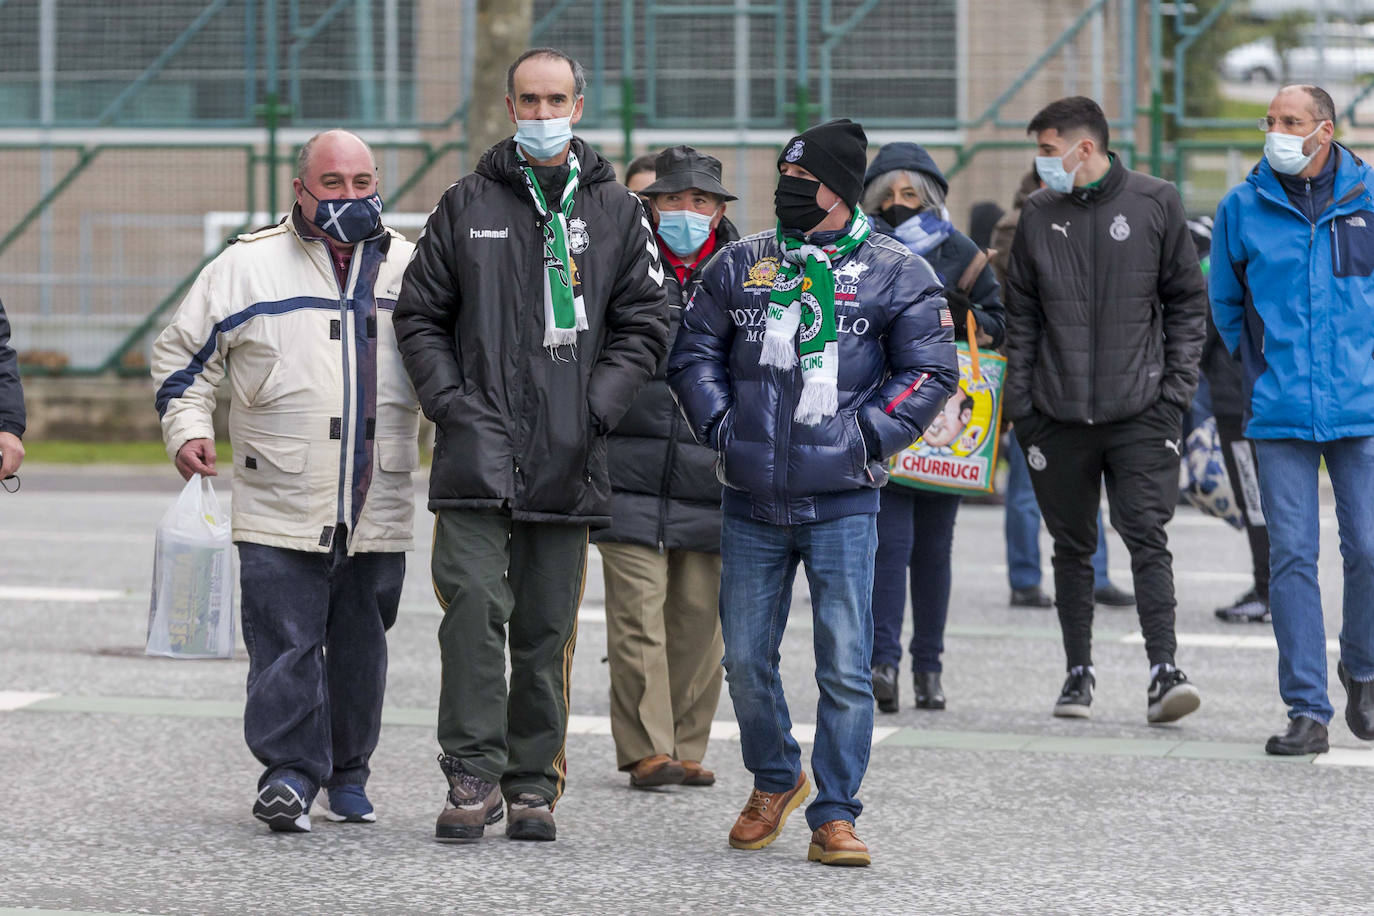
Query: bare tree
[[503, 31]]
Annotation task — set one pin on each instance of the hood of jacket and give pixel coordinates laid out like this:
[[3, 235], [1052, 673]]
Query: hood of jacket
[[911, 157]]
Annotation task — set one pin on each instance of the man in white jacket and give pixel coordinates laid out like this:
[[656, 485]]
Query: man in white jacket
[[323, 423]]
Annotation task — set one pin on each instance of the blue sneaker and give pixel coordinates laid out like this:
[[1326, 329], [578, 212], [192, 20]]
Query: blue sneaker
[[349, 804], [283, 805]]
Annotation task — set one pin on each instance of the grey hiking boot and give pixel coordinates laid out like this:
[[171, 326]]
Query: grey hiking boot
[[530, 818], [470, 805]]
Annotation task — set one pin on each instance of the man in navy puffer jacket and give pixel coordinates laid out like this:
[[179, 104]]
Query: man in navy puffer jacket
[[803, 432]]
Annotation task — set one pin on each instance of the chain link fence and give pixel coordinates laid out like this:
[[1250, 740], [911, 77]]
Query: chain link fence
[[132, 128]]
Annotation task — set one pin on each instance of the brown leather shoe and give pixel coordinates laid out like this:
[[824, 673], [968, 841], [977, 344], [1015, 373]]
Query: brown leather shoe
[[765, 813], [658, 770], [834, 843], [696, 774]]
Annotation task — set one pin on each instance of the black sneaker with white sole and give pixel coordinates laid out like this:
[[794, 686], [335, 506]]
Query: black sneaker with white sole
[[1076, 697], [1172, 696], [283, 805], [1250, 607]]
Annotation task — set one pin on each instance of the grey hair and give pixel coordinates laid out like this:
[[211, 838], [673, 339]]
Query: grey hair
[[579, 75], [303, 157], [878, 188]]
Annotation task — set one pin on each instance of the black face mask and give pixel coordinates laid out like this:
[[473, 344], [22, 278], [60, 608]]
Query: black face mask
[[895, 214], [794, 202]]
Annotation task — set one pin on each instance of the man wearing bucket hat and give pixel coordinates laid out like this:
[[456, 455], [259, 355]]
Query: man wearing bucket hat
[[808, 356], [661, 555]]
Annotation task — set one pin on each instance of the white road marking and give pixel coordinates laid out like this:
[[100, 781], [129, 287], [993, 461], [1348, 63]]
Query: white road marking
[[48, 593], [18, 699], [1346, 757]]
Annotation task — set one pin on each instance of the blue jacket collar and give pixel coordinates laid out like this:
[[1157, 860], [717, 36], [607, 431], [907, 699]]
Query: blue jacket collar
[[1351, 172]]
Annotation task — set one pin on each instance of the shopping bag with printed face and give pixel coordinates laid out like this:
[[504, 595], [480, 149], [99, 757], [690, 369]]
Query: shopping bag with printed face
[[958, 452]]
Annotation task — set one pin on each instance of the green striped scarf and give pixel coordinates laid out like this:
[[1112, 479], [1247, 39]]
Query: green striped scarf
[[564, 312], [803, 300]]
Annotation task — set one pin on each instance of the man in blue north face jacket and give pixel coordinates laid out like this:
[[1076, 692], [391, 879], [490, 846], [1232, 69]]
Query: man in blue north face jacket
[[1292, 286], [809, 356]]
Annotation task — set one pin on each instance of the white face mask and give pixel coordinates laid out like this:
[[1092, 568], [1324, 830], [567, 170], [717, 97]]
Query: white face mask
[[1284, 151], [544, 139], [1052, 172]]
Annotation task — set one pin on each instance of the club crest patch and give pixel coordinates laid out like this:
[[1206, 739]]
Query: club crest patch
[[578, 237], [762, 273], [1036, 458], [795, 151], [1120, 229]]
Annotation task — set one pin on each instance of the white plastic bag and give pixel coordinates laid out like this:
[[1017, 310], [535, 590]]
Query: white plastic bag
[[192, 610]]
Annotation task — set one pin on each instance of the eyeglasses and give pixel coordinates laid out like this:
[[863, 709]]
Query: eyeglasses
[[1267, 124]]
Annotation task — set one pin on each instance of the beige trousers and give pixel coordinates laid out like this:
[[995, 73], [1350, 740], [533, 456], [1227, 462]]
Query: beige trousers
[[664, 646]]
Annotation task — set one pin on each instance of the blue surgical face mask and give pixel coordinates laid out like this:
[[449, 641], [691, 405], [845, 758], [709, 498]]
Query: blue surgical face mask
[[1052, 172], [684, 231], [544, 139], [347, 219], [1284, 151]]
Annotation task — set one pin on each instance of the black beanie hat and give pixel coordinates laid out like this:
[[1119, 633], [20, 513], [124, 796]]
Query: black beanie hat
[[836, 153]]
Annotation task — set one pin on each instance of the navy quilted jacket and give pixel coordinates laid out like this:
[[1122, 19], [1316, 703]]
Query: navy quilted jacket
[[896, 368]]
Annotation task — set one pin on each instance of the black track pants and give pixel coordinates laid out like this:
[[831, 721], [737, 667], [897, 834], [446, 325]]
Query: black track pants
[[1139, 459]]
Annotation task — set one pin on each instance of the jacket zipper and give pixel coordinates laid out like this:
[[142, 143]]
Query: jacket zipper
[[667, 478], [520, 333], [347, 427], [673, 427], [783, 438], [1092, 323]]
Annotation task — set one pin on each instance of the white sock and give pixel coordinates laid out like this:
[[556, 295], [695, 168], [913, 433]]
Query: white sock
[[1080, 669], [1162, 666]]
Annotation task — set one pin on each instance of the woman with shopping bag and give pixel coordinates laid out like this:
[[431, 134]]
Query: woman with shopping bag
[[904, 193]]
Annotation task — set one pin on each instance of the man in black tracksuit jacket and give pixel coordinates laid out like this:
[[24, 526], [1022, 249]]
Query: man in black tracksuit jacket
[[11, 404], [519, 472], [1105, 323]]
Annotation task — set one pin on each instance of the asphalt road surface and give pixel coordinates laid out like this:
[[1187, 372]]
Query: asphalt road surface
[[127, 786]]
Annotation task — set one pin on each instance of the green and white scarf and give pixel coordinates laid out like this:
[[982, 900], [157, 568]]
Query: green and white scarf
[[564, 312], [803, 299]]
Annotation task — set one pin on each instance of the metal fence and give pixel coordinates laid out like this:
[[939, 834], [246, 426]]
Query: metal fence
[[130, 128]]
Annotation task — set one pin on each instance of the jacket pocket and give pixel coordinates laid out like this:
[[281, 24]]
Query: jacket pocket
[[398, 455], [1352, 244], [858, 449], [391, 497], [270, 481]]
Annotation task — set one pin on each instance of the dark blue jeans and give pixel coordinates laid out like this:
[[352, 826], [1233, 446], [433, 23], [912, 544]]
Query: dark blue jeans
[[315, 628], [758, 564], [916, 530]]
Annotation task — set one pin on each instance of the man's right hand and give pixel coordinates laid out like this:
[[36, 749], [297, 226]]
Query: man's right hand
[[196, 457]]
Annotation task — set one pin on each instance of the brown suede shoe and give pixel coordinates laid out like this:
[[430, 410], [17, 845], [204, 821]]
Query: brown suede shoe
[[658, 770], [696, 774], [765, 813], [834, 843]]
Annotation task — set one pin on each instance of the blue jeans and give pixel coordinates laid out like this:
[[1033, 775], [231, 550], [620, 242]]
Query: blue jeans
[[759, 563], [915, 529], [315, 628], [1288, 491], [1021, 526]]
